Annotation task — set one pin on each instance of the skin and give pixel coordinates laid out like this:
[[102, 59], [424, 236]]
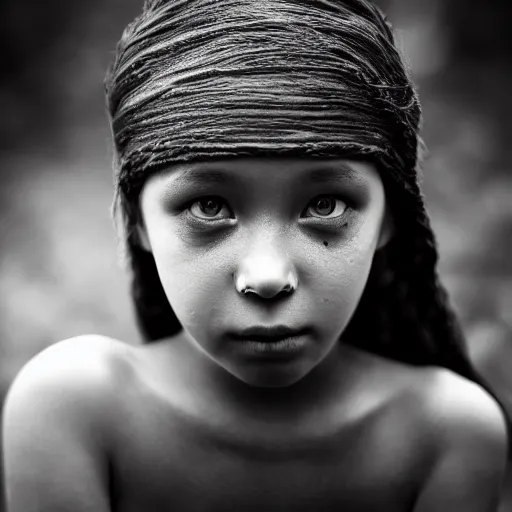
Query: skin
[[490, 350], [191, 423], [266, 227]]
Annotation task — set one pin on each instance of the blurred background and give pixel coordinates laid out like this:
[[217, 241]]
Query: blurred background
[[59, 275]]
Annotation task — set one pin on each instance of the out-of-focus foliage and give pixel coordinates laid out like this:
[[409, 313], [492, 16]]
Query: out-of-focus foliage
[[59, 275]]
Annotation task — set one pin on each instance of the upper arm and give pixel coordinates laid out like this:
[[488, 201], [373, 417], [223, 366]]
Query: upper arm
[[54, 432], [470, 466]]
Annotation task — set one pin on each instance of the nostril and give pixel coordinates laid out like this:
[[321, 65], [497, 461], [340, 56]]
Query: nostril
[[269, 292]]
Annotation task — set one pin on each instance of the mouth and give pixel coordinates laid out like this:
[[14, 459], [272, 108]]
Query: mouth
[[268, 334]]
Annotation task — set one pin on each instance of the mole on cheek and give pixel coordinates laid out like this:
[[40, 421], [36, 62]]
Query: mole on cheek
[[326, 243]]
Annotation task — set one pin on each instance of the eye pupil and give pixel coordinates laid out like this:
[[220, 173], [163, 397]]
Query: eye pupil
[[324, 204], [209, 204]]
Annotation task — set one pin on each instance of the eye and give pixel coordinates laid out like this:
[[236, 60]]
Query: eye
[[323, 207], [326, 205], [206, 207]]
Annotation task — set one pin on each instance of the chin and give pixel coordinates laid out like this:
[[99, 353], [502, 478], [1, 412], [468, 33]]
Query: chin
[[267, 377]]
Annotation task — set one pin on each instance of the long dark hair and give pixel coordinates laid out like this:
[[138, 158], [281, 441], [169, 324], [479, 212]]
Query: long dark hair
[[203, 79]]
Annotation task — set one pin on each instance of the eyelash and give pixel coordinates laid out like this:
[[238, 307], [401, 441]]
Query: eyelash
[[190, 204]]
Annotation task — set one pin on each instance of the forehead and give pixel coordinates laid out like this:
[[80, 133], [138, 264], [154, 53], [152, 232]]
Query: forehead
[[276, 169]]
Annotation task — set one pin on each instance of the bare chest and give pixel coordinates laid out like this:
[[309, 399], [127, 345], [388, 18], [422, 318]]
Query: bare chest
[[173, 462]]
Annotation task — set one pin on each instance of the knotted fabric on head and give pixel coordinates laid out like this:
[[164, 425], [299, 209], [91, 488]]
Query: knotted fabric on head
[[214, 79]]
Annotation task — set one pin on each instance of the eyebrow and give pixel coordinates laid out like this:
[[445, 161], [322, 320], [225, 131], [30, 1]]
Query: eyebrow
[[339, 173]]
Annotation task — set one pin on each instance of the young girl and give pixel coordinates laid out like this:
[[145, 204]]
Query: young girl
[[300, 355]]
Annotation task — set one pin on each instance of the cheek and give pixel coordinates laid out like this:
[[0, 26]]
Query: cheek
[[191, 278], [341, 279], [347, 276]]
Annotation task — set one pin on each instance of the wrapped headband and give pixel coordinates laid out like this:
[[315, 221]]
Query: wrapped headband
[[205, 79]]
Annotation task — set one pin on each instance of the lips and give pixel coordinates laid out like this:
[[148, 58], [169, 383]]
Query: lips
[[268, 333]]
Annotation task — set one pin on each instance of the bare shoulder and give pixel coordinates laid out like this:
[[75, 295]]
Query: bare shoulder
[[57, 426], [468, 449], [450, 411], [83, 367], [452, 406], [67, 357], [461, 411]]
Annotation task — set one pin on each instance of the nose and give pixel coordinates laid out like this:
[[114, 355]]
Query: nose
[[266, 274]]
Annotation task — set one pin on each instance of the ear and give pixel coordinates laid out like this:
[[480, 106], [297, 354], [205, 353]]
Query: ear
[[142, 237], [387, 230], [142, 234]]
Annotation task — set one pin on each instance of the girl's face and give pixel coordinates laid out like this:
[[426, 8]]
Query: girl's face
[[269, 222]]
